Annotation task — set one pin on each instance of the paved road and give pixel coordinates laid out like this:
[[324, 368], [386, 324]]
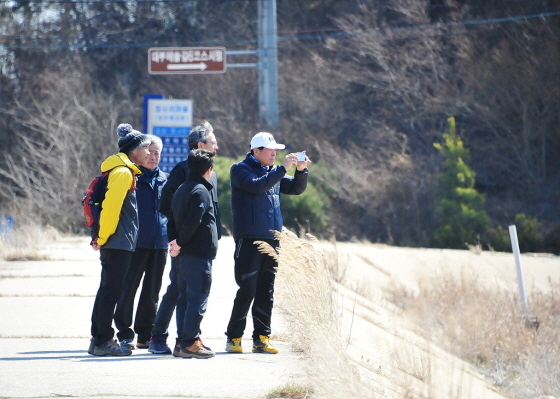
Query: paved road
[[45, 309]]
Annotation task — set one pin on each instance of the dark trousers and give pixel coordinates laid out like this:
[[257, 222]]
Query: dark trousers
[[167, 305], [150, 264], [194, 281], [254, 274], [114, 266]]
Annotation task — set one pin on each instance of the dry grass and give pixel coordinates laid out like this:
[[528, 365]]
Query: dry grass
[[24, 242], [292, 391], [308, 300], [487, 329], [480, 325]]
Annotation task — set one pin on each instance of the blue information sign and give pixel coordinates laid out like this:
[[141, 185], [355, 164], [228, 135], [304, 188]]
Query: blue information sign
[[171, 120]]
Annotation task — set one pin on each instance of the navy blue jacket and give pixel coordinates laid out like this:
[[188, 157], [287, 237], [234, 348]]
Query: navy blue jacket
[[152, 232], [192, 222], [255, 197]]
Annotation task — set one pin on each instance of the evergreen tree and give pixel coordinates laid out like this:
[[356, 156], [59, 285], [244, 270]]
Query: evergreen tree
[[459, 207]]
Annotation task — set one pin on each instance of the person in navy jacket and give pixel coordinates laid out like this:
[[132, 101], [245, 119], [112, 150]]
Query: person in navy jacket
[[149, 258], [256, 184]]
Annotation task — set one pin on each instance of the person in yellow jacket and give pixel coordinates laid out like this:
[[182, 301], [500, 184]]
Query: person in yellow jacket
[[118, 232]]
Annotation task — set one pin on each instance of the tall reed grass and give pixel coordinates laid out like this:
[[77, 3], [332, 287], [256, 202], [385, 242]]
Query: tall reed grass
[[483, 326], [308, 301]]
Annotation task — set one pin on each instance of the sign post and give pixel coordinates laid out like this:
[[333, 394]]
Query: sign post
[[186, 60], [171, 120]]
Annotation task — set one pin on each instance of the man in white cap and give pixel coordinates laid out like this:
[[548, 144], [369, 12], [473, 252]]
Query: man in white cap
[[256, 185]]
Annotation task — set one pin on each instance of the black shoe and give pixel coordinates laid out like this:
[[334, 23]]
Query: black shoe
[[143, 345], [111, 348], [177, 349]]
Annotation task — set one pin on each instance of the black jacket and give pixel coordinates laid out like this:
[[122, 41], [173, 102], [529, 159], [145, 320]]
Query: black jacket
[[192, 221], [255, 197], [178, 176]]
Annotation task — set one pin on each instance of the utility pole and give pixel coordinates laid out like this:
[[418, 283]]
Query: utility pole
[[268, 65]]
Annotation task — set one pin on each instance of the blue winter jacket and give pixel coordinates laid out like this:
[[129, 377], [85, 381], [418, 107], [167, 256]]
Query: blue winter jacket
[[255, 197], [152, 232]]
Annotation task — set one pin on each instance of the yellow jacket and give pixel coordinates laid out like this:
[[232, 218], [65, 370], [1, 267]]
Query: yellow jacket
[[117, 215]]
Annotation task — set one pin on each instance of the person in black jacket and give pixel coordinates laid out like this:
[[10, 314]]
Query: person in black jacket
[[201, 137], [149, 258], [194, 241], [256, 185]]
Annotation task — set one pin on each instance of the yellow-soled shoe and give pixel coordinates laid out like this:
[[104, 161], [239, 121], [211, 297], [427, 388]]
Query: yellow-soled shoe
[[233, 345], [262, 345]]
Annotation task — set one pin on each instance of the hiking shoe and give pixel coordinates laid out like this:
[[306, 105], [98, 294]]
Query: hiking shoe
[[262, 345], [127, 343], [111, 348], [177, 349], [143, 345], [159, 348], [196, 350], [91, 348], [233, 345]]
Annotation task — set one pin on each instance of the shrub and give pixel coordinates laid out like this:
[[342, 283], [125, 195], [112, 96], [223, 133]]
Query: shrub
[[306, 212], [497, 238], [552, 240], [529, 233]]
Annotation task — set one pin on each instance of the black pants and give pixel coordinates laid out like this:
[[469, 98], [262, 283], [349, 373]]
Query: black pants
[[149, 263], [114, 266], [194, 279], [254, 274], [167, 305]]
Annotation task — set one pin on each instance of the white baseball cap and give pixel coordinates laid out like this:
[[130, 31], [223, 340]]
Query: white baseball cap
[[265, 140]]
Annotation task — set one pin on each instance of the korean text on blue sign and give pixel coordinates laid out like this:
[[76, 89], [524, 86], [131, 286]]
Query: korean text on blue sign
[[171, 120]]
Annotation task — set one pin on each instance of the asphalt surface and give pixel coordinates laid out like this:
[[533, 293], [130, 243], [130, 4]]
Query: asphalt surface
[[45, 309]]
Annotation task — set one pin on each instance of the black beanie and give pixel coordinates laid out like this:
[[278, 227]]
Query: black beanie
[[131, 139]]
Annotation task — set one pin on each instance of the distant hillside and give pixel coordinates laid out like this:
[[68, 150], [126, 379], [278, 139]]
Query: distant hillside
[[365, 87]]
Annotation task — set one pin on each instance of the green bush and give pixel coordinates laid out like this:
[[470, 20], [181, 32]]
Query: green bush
[[497, 238], [552, 240], [305, 212], [529, 236], [529, 233]]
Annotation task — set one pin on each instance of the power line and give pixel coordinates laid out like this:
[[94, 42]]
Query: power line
[[387, 31], [109, 1], [317, 36]]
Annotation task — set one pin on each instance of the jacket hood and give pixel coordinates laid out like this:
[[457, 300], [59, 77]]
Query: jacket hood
[[120, 159]]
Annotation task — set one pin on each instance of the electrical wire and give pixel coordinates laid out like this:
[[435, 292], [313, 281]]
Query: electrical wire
[[318, 36]]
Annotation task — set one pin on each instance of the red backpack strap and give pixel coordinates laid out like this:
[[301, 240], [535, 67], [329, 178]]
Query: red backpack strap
[[134, 179]]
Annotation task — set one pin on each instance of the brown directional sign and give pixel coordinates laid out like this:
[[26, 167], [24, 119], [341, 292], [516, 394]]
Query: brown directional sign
[[186, 60]]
